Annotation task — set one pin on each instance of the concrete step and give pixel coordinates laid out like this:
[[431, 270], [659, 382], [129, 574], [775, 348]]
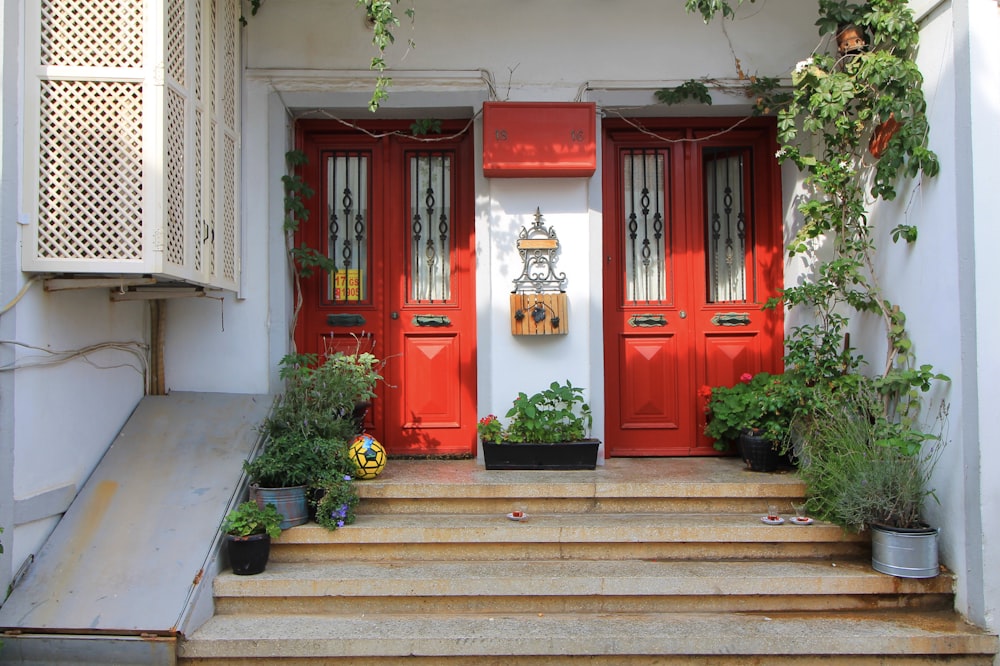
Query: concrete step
[[478, 537], [605, 638], [561, 586], [679, 485], [641, 562]]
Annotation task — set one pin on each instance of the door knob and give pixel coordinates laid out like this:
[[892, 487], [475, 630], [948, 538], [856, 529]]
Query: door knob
[[683, 314], [394, 315]]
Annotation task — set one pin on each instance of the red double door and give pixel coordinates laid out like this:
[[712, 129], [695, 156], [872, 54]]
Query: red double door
[[395, 216], [692, 252]]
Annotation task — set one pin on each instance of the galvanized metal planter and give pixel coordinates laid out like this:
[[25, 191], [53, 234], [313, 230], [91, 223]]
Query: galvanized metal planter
[[906, 553], [290, 502], [541, 455]]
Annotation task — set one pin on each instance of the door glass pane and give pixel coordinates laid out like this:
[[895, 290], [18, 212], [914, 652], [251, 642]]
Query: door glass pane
[[348, 227], [430, 228], [726, 224], [647, 260]]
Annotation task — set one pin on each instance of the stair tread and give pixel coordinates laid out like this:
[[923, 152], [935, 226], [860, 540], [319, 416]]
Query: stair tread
[[887, 633], [576, 527], [630, 478], [568, 578]]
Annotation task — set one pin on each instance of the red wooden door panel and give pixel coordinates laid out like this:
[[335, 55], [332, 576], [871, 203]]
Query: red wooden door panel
[[692, 251], [397, 220]]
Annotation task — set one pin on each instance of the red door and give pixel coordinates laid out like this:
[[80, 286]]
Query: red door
[[395, 216], [692, 240]]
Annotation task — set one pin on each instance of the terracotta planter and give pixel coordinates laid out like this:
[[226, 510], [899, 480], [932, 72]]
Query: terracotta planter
[[538, 455], [882, 135], [850, 39]]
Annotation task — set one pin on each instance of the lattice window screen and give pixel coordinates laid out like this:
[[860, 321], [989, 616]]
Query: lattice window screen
[[132, 151]]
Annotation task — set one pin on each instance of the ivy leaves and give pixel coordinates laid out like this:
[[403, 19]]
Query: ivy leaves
[[709, 8], [383, 19]]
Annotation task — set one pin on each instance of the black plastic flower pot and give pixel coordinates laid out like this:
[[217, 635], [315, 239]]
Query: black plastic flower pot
[[760, 454], [248, 555]]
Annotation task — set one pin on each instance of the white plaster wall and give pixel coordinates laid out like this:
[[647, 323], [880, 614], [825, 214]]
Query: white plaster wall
[[530, 363], [68, 413], [984, 62], [524, 43]]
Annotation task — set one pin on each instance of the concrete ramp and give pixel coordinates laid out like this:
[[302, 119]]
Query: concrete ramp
[[132, 560]]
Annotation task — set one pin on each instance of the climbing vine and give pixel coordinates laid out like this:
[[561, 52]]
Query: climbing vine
[[383, 20], [853, 123]]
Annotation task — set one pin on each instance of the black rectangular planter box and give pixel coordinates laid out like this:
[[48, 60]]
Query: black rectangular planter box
[[537, 455]]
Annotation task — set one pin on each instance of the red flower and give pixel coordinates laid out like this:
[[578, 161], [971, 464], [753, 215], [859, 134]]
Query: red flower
[[705, 392], [745, 377]]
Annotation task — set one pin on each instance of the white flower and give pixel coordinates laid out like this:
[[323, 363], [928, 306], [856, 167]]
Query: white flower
[[802, 65], [780, 153]]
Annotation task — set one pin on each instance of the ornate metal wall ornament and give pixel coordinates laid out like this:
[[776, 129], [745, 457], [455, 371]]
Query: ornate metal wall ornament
[[538, 296], [538, 247]]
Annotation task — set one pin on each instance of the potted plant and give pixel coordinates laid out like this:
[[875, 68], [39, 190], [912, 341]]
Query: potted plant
[[249, 529], [546, 430], [756, 412], [288, 465], [310, 427], [865, 471], [336, 500], [324, 399]]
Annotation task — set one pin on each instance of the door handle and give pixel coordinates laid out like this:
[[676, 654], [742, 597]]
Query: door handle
[[732, 319], [647, 320], [345, 320], [431, 320]]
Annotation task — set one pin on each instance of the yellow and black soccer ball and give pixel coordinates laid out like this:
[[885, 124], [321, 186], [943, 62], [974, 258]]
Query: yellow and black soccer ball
[[367, 455]]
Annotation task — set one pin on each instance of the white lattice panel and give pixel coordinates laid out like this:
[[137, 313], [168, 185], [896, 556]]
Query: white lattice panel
[[176, 56], [91, 33], [132, 162], [106, 183]]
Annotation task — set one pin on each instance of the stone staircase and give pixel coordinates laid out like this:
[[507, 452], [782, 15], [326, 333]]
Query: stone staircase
[[640, 562]]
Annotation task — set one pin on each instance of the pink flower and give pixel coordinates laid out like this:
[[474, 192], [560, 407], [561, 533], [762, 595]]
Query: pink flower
[[745, 377]]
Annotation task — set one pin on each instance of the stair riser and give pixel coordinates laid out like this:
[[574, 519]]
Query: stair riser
[[618, 660], [563, 604], [384, 552], [535, 505]]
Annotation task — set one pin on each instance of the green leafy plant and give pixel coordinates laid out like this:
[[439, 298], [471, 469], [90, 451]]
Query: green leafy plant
[[861, 468], [762, 403], [490, 429], [692, 89], [320, 397], [556, 414], [338, 497], [293, 459], [709, 8], [248, 519]]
